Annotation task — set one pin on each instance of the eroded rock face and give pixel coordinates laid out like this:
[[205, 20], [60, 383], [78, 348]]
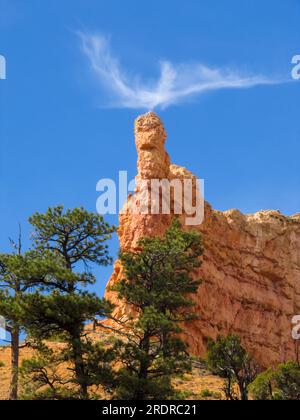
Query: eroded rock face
[[251, 263]]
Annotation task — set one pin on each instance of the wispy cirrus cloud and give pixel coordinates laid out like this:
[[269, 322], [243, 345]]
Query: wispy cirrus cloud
[[176, 83]]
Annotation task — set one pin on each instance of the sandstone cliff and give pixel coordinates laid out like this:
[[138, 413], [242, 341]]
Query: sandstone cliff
[[251, 264]]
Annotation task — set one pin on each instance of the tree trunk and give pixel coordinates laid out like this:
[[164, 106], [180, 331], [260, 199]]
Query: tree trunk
[[243, 390], [297, 352], [79, 367], [140, 394], [14, 378]]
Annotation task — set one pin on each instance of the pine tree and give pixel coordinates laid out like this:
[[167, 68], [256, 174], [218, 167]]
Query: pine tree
[[278, 383], [19, 274], [74, 238], [158, 285], [63, 317], [228, 359], [77, 236]]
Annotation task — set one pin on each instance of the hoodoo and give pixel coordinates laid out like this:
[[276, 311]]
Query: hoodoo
[[251, 263]]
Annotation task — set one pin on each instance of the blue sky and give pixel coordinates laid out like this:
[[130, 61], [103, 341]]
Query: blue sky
[[58, 136]]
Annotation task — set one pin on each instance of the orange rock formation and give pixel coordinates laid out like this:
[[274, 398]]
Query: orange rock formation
[[251, 263]]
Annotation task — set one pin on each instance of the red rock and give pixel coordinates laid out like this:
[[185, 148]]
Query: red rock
[[251, 263]]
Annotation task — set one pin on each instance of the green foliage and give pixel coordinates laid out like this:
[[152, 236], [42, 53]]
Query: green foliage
[[60, 307], [206, 393], [160, 274], [76, 235], [61, 314], [157, 285], [287, 378], [43, 293], [41, 378], [228, 359], [19, 274], [282, 383], [262, 387], [49, 374]]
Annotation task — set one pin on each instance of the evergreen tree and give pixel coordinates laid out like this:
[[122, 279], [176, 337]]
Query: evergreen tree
[[63, 317], [280, 383], [157, 286], [74, 238], [76, 235], [228, 359], [47, 375], [19, 274]]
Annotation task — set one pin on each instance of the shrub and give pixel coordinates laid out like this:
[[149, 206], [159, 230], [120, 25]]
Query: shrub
[[282, 383], [228, 359]]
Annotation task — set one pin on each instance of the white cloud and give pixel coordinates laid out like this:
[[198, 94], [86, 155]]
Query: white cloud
[[176, 82]]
